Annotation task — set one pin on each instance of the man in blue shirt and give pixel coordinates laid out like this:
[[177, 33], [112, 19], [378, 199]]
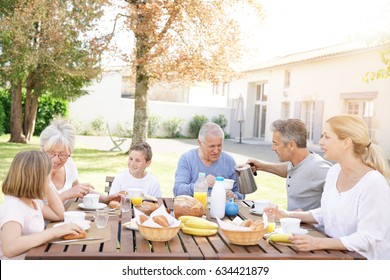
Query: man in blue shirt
[[208, 158]]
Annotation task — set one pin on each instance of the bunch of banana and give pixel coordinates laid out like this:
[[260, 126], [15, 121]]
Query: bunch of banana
[[197, 226], [280, 237]]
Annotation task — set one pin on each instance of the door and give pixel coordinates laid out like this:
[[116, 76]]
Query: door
[[260, 116]]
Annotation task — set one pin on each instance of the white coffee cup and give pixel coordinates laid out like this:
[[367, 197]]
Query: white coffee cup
[[261, 204], [77, 217], [290, 225], [228, 183], [91, 200]]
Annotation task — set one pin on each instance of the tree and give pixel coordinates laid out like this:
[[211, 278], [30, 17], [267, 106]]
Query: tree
[[180, 40], [46, 47]]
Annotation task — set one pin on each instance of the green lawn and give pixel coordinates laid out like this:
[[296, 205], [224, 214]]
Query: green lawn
[[94, 165]]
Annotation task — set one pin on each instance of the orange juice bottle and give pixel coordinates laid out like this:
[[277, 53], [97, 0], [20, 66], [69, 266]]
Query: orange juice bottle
[[201, 189], [202, 198]]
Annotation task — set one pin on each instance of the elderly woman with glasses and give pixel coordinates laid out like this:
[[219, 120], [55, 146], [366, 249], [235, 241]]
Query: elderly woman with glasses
[[58, 141]]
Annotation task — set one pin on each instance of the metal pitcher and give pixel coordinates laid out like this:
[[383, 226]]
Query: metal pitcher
[[245, 180]]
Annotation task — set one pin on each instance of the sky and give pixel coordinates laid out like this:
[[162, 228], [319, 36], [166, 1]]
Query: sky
[[293, 26], [298, 25]]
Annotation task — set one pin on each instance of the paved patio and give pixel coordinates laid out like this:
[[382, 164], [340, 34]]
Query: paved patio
[[249, 148]]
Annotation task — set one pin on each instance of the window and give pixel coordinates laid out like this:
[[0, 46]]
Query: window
[[260, 114], [287, 76], [308, 118], [361, 104], [363, 109], [285, 112]]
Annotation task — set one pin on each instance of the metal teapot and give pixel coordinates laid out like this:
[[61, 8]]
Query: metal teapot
[[245, 180]]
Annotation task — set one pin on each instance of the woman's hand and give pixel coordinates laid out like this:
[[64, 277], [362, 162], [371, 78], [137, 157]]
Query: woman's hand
[[306, 242], [276, 212], [80, 190]]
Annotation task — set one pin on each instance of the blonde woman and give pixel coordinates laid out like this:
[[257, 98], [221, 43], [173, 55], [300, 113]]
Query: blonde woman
[[355, 204]]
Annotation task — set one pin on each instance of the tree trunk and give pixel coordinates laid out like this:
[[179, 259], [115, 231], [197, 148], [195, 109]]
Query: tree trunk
[[30, 114], [16, 116], [140, 127]]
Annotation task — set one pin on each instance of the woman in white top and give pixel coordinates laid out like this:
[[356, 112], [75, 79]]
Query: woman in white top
[[23, 212], [58, 142], [355, 205], [140, 158]]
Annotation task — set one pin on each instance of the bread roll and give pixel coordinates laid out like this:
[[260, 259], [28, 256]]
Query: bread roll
[[81, 235], [246, 223], [142, 218], [114, 204], [185, 205], [147, 207], [161, 220], [257, 225]]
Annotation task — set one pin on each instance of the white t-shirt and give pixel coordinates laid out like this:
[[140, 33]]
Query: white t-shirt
[[71, 175], [124, 181], [360, 217], [31, 220]]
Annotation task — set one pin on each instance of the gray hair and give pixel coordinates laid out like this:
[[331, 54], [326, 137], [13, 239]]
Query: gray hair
[[291, 130], [58, 132], [210, 129]]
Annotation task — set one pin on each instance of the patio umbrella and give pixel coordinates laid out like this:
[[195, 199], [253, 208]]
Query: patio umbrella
[[239, 116]]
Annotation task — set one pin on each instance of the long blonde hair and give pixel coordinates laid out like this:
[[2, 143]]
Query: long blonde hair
[[350, 126], [28, 175]]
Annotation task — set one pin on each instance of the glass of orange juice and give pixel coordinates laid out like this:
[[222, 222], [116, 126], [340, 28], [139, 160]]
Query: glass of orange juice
[[202, 198], [136, 201], [136, 196]]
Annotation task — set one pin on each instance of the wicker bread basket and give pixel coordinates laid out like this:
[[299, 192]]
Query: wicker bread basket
[[240, 237], [158, 234]]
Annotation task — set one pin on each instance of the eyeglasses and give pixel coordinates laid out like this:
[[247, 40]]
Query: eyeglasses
[[61, 156]]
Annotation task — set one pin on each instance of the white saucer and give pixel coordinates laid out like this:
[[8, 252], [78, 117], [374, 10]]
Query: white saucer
[[99, 206], [132, 225], [256, 212], [300, 231], [84, 226]]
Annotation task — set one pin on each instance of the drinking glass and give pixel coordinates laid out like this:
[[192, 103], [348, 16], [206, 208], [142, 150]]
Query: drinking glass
[[125, 203], [101, 219]]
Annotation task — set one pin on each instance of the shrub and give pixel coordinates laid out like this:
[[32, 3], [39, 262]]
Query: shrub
[[98, 126], [196, 124], [123, 129], [221, 121], [153, 125], [48, 109], [5, 100], [78, 126], [173, 126], [2, 119]]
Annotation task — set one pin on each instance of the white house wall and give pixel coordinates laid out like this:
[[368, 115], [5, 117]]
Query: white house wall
[[105, 101], [326, 80]]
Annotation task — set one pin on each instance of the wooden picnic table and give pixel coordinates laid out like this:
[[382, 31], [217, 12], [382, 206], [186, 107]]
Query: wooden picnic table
[[127, 244]]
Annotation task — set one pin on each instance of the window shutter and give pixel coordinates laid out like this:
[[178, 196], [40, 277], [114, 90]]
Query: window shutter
[[318, 119], [297, 110]]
